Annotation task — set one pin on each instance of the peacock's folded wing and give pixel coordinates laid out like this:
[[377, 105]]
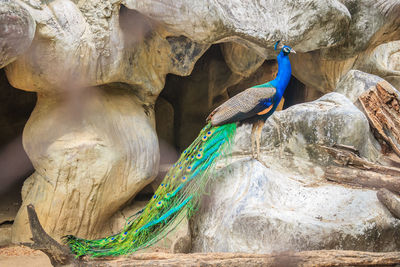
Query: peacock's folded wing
[[244, 105]]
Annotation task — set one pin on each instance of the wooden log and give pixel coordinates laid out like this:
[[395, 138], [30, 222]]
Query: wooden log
[[363, 178], [288, 259], [390, 200], [346, 156], [381, 105]]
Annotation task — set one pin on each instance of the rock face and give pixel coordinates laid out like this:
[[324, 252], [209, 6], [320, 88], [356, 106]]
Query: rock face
[[98, 68], [16, 31], [112, 134], [355, 83], [383, 61], [282, 202], [93, 148], [210, 21]]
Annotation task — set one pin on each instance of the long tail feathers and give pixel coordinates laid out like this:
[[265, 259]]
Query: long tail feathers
[[179, 192]]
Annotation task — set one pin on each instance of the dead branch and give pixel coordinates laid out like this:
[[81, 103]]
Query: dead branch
[[381, 105], [59, 255], [363, 178], [390, 200], [347, 157]]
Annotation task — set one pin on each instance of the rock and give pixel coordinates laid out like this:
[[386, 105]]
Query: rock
[[5, 235], [259, 209], [99, 66], [369, 27], [16, 31], [282, 201], [356, 82], [307, 25], [301, 130], [88, 46], [93, 148], [322, 74], [240, 59], [383, 61], [100, 150], [164, 113]]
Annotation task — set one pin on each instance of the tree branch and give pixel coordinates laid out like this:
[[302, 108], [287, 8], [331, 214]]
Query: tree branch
[[58, 254]]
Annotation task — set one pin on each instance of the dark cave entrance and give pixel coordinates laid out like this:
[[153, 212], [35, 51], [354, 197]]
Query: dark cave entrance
[[15, 166]]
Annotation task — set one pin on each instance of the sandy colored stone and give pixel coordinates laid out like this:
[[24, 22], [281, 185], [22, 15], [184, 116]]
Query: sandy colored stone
[[319, 73], [240, 59], [244, 21], [383, 61], [17, 29], [5, 235], [93, 148], [100, 150]]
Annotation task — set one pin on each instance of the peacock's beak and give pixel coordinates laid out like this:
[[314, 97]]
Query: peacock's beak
[[292, 51]]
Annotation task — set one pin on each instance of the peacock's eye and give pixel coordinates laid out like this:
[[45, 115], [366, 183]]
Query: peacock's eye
[[286, 50]]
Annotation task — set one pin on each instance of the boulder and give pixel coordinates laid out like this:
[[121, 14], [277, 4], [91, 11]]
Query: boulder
[[356, 82], [282, 201]]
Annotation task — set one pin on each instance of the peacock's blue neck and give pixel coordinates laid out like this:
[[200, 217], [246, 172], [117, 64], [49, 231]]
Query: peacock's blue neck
[[284, 73]]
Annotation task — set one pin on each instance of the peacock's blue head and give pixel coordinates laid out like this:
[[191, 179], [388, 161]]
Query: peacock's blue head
[[285, 49]]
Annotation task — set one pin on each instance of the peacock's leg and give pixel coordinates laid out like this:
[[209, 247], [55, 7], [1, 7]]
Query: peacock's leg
[[252, 141], [256, 134]]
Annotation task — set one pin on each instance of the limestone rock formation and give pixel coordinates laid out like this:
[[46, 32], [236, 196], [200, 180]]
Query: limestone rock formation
[[383, 61], [306, 25], [16, 31], [98, 68], [368, 28], [282, 201], [356, 82]]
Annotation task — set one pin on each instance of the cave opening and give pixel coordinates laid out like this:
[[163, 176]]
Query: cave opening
[[15, 166]]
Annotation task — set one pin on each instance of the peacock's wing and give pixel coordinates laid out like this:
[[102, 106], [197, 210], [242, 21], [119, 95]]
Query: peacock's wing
[[244, 105]]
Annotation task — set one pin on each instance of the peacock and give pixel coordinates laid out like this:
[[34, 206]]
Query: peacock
[[180, 192]]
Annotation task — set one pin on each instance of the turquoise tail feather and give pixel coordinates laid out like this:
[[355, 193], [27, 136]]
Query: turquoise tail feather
[[180, 192]]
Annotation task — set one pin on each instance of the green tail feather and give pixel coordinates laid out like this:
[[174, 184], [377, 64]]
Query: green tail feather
[[180, 191]]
